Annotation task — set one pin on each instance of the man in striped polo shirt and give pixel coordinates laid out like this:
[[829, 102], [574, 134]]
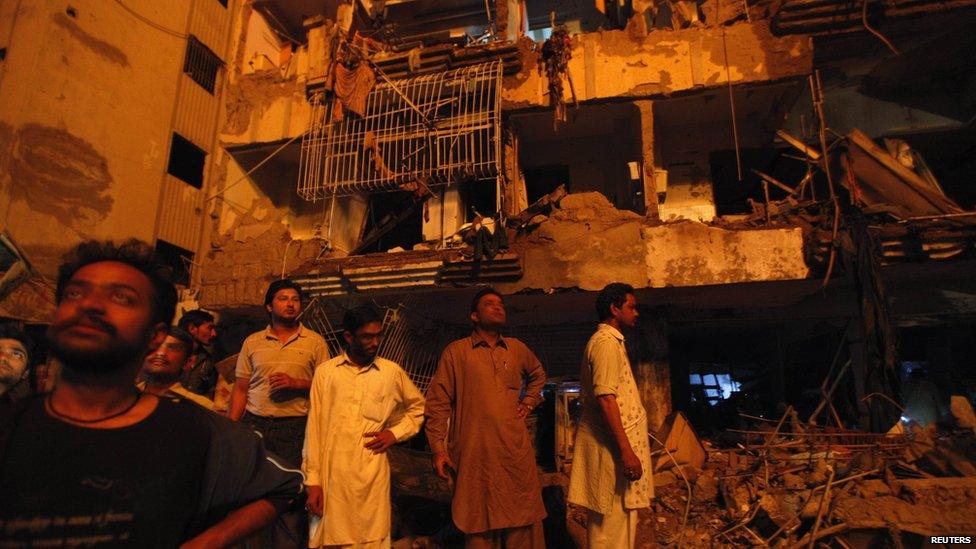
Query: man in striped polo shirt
[[274, 373]]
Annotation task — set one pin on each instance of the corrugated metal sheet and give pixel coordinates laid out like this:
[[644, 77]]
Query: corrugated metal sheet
[[196, 113], [210, 23], [181, 213]]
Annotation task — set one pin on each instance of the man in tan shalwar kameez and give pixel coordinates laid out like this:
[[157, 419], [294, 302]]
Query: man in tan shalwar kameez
[[477, 391]]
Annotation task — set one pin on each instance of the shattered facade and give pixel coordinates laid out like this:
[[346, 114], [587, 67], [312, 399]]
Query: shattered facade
[[687, 157]]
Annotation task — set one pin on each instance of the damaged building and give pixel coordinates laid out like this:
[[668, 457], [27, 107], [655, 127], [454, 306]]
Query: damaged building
[[787, 184]]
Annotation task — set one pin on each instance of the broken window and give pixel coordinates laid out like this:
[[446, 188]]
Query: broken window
[[177, 259], [186, 161], [713, 387], [201, 64], [385, 209]]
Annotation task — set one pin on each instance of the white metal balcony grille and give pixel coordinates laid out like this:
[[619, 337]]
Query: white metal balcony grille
[[437, 128], [405, 341]]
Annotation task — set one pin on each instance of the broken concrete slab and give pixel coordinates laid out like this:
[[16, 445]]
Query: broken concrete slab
[[884, 184], [682, 442], [936, 506], [690, 253]]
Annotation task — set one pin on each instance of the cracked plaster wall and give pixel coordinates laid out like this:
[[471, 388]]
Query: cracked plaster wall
[[82, 157], [251, 251]]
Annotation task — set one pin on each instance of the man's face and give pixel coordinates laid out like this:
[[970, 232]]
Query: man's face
[[490, 312], [46, 375], [104, 319], [366, 341], [167, 361], [13, 362], [627, 313], [286, 305], [204, 333]]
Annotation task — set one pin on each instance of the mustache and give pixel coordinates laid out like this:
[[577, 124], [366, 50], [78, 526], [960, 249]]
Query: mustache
[[89, 320]]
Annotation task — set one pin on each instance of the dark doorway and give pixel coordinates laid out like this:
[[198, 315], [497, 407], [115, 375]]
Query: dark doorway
[[543, 180]]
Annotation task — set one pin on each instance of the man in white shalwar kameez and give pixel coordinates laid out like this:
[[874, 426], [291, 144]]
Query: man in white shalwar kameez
[[611, 473], [361, 405]]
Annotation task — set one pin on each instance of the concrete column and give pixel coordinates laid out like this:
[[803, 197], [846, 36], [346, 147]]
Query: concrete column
[[514, 195], [647, 157], [652, 371], [857, 349], [507, 17]]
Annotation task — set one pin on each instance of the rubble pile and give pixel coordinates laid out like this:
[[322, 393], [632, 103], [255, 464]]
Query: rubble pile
[[790, 484]]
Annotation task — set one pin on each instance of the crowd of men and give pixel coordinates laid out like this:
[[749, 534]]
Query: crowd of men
[[146, 441]]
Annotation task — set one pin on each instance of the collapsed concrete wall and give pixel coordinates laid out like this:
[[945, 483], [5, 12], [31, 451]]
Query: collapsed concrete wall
[[249, 254], [587, 243]]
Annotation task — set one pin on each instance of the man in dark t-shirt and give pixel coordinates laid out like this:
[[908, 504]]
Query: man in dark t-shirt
[[97, 463]]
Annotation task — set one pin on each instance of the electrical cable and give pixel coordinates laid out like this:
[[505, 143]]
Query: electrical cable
[[257, 166], [150, 22]]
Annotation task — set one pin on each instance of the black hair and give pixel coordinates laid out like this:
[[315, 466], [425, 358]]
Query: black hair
[[183, 337], [614, 294], [357, 317], [194, 318], [132, 252], [12, 331], [279, 285], [482, 293]]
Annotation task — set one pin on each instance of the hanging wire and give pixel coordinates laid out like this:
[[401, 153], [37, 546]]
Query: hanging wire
[[150, 22], [264, 161], [735, 124]]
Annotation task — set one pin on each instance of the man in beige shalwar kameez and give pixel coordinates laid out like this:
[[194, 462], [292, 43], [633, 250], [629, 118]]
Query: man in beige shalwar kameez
[[611, 473], [361, 405], [477, 391]]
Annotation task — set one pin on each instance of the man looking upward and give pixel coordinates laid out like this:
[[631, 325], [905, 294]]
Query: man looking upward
[[476, 411], [14, 358], [96, 462]]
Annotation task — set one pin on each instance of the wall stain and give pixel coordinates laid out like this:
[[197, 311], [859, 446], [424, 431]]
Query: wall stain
[[100, 47], [58, 174]]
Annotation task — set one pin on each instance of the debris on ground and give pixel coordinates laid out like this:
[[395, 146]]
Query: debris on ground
[[786, 484]]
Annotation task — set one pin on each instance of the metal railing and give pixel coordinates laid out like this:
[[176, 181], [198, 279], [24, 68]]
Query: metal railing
[[436, 129], [415, 352]]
